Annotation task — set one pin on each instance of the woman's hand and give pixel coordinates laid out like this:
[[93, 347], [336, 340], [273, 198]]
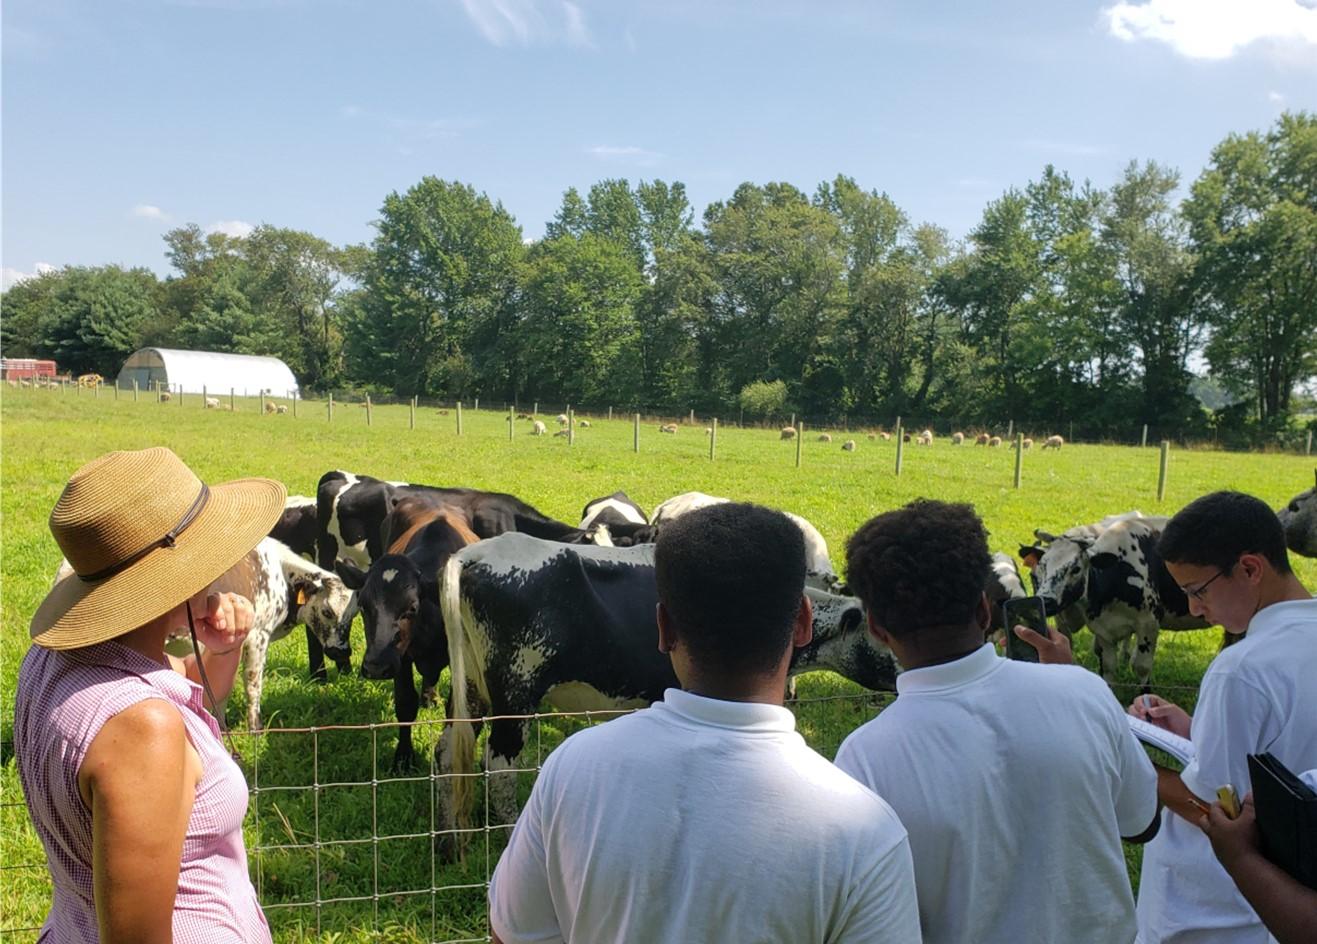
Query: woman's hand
[[224, 625]]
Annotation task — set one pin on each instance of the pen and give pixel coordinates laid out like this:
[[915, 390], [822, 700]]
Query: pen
[[1199, 805], [1147, 703]]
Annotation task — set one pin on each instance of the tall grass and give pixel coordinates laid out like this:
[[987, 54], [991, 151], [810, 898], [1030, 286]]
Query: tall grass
[[328, 820]]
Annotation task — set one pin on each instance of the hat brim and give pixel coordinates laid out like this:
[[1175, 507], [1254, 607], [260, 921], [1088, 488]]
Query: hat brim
[[237, 515]]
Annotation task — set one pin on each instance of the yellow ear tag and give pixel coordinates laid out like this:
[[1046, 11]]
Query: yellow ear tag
[[301, 597]]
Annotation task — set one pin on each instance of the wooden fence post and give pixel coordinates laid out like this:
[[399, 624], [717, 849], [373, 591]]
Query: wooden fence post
[[459, 417], [610, 414], [692, 418], [134, 389], [635, 433], [1143, 442], [900, 445], [1010, 430], [792, 424], [800, 440], [233, 406], [205, 395], [1019, 457], [368, 409], [1161, 471], [713, 438], [535, 410], [512, 412], [180, 393], [330, 406], [294, 397], [1307, 450], [476, 404], [411, 413], [571, 427], [1072, 431]]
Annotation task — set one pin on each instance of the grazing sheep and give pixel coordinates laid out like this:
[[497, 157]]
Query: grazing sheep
[[982, 439], [873, 437], [669, 428], [824, 437], [925, 438], [788, 432], [538, 429], [443, 412], [524, 416], [281, 409], [166, 396], [561, 432], [1054, 442], [906, 437], [885, 436], [212, 403], [994, 441], [562, 419], [583, 424], [270, 408], [957, 439], [1027, 443], [708, 430], [848, 446]]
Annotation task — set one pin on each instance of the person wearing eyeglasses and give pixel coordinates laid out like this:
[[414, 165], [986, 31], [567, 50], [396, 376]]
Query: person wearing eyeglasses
[[1226, 551], [136, 801]]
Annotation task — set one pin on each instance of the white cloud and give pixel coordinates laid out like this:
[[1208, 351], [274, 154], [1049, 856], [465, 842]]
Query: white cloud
[[529, 22], [626, 153], [238, 229], [11, 277], [1276, 98], [1214, 29], [146, 211]]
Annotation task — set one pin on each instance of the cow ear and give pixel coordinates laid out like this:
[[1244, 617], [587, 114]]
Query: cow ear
[[1102, 560], [1044, 536], [1029, 550], [304, 588], [353, 576]]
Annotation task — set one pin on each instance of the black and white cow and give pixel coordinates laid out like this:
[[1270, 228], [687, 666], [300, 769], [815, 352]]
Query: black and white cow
[[286, 590], [626, 521], [531, 621], [351, 511], [818, 565], [399, 600], [1123, 585], [297, 527], [1299, 519], [1002, 583]]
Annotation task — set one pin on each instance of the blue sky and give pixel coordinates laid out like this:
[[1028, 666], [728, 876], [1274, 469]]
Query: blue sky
[[123, 118]]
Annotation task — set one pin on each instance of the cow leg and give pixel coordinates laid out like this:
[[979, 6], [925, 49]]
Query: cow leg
[[507, 737], [405, 706], [430, 689], [315, 656], [1107, 656], [1144, 652], [254, 651]]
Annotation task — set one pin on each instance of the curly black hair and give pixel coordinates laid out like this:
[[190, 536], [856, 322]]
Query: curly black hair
[[1214, 530], [731, 576], [919, 566]]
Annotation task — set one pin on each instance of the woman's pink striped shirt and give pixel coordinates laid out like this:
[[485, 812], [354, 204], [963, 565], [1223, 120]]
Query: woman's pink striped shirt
[[62, 701]]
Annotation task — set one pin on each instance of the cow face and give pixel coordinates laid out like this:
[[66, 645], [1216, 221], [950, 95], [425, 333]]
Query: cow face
[[389, 599], [1061, 575], [325, 605], [1299, 519], [842, 643]]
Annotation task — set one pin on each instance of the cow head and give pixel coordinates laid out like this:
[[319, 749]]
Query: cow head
[[322, 601], [389, 596], [1299, 519], [1060, 576], [842, 643]]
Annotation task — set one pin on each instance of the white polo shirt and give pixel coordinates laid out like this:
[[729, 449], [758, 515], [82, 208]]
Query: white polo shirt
[[702, 820], [1015, 782], [1258, 695]]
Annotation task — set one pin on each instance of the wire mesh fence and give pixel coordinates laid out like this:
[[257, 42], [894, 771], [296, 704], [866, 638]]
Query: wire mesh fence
[[339, 842]]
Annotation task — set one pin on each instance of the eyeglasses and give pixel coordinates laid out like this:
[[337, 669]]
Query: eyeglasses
[[1197, 592]]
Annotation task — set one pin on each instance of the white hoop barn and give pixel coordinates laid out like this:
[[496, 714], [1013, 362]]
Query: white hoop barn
[[209, 371]]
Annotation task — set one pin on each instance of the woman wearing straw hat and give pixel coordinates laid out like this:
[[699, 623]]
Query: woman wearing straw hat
[[136, 801]]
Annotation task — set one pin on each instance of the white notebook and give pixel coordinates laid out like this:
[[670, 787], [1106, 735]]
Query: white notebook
[[1182, 749]]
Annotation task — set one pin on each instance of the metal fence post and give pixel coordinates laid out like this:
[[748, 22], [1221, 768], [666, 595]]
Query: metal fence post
[[635, 433], [900, 445], [1161, 471], [1019, 457], [713, 438], [134, 389]]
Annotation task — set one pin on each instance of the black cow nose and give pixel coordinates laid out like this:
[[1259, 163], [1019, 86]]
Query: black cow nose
[[373, 670]]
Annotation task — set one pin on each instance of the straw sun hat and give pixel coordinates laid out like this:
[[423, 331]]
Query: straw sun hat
[[143, 534]]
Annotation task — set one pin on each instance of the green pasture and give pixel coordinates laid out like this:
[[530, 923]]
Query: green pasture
[[328, 821]]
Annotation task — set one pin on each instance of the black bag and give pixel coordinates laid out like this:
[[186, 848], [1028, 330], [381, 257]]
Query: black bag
[[1286, 810]]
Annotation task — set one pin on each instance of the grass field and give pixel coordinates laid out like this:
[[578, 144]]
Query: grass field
[[327, 820]]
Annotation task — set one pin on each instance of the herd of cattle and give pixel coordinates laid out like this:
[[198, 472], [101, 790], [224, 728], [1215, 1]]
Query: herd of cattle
[[525, 609]]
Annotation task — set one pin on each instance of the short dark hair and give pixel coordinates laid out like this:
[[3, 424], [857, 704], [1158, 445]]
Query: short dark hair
[[731, 577], [920, 566], [1214, 530]]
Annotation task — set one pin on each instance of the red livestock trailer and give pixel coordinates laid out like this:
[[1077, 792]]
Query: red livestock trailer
[[25, 368]]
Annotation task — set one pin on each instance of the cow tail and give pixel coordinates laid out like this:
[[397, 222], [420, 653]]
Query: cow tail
[[462, 733]]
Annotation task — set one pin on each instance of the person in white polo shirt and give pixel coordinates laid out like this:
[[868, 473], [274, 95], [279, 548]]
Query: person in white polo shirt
[[1227, 551], [1015, 781], [706, 817]]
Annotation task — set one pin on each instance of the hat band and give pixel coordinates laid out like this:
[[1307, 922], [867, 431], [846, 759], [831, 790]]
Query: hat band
[[167, 541]]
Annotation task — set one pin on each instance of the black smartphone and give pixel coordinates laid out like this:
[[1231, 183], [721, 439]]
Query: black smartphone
[[1023, 611]]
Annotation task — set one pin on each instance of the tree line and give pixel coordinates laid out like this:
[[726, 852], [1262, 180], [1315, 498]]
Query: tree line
[[1067, 302]]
